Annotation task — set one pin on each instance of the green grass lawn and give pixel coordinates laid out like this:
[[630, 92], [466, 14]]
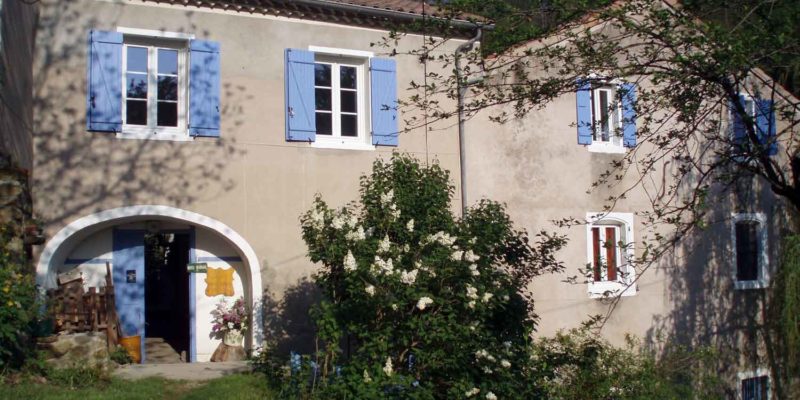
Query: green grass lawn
[[236, 387]]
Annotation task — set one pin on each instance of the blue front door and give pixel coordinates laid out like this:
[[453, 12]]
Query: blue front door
[[128, 274]]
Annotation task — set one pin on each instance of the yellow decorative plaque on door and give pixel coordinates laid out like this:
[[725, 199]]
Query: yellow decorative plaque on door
[[219, 281]]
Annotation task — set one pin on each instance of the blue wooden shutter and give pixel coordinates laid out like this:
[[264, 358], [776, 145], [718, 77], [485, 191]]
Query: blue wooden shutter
[[628, 114], [383, 85], [204, 80], [128, 276], [765, 122], [739, 128], [104, 92], [583, 99], [301, 125]]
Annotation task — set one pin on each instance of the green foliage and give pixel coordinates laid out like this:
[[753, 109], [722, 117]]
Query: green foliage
[[77, 377], [18, 307], [120, 356], [419, 295], [786, 305], [578, 365]]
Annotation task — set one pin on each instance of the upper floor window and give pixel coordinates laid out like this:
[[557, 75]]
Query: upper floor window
[[749, 238], [606, 116], [148, 84], [761, 114], [155, 87], [339, 98], [610, 252]]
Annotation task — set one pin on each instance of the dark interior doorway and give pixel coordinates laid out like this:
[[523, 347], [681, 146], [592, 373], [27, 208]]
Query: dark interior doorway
[[167, 333]]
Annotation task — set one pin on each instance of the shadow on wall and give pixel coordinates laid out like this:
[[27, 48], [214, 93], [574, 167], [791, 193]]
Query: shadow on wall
[[287, 322], [707, 311], [79, 172]]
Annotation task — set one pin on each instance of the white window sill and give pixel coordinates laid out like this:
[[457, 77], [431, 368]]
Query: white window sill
[[750, 285], [606, 147], [598, 290], [342, 144], [174, 137]]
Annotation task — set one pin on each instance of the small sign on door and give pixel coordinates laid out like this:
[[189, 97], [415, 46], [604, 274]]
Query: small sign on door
[[130, 276], [199, 268]]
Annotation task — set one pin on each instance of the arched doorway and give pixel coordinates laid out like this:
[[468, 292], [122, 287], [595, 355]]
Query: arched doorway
[[117, 236]]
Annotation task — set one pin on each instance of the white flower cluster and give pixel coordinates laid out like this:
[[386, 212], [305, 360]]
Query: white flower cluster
[[350, 262], [317, 219], [491, 396], [342, 220], [440, 237], [356, 235], [387, 368], [385, 245], [472, 392], [410, 225], [387, 197], [383, 266], [424, 302], [473, 269], [472, 293], [483, 354], [370, 290], [409, 277]]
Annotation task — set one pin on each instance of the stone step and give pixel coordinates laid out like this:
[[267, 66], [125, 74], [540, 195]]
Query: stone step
[[158, 351]]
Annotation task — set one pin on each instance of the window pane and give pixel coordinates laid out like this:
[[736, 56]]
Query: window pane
[[167, 61], [755, 388], [611, 253], [137, 59], [747, 250], [167, 114], [349, 125], [348, 77], [322, 99], [322, 75], [604, 114], [167, 88], [136, 112], [348, 100], [137, 86], [596, 254], [324, 124]]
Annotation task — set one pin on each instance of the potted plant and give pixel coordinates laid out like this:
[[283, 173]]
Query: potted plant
[[230, 321]]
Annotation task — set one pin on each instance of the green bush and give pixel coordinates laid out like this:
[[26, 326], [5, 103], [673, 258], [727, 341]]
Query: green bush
[[429, 305], [578, 365], [120, 356], [18, 307]]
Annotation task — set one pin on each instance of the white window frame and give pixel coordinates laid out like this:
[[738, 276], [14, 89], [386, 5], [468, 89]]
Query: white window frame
[[625, 285], [754, 374], [763, 257], [615, 144], [154, 40], [360, 60]]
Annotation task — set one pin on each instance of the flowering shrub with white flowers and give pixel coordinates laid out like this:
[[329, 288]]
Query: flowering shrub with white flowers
[[419, 303]]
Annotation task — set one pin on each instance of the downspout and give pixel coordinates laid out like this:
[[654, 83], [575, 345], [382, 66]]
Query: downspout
[[462, 90]]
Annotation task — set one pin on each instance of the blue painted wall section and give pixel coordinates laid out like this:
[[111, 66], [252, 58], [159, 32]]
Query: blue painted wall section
[[128, 275]]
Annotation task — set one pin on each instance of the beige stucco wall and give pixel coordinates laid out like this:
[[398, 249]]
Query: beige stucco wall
[[535, 165], [251, 179]]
